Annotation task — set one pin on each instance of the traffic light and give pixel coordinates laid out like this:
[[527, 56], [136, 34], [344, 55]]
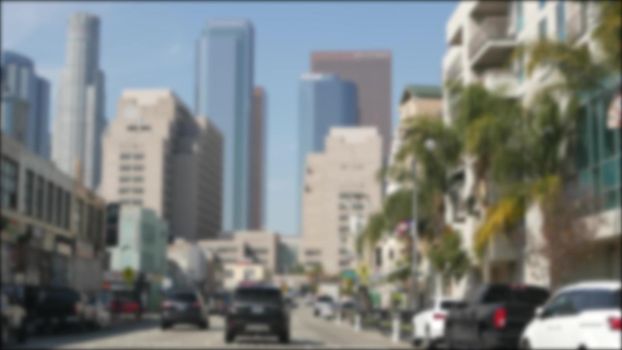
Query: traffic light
[[112, 224]]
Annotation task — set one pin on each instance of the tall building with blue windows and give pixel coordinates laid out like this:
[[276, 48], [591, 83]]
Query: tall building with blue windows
[[223, 92], [325, 101], [25, 103]]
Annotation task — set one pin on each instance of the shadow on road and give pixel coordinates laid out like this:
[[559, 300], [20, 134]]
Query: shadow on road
[[70, 336], [273, 341]]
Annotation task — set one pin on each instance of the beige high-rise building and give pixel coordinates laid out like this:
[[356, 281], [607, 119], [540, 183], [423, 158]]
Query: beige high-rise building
[[340, 191], [157, 155]]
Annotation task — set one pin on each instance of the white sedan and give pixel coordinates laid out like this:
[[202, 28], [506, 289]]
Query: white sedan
[[580, 316], [429, 324]]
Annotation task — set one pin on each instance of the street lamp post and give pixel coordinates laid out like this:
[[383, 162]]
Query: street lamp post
[[415, 237], [414, 229]]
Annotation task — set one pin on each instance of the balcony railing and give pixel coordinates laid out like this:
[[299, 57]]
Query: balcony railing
[[489, 29]]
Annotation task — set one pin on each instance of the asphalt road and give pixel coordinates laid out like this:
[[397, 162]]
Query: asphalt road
[[306, 332]]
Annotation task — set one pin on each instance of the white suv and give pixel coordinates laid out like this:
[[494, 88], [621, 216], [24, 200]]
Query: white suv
[[580, 316], [429, 324]]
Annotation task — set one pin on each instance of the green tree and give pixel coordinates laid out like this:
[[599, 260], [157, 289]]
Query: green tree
[[447, 257]]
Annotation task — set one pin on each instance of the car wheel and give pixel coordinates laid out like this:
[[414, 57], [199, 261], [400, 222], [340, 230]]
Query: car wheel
[[229, 337], [21, 334], [524, 345], [203, 325], [165, 325], [284, 337]]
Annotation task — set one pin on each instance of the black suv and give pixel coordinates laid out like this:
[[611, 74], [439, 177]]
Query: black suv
[[183, 307], [257, 309]]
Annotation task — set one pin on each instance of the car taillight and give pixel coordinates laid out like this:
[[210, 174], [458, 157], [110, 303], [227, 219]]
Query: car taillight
[[439, 316], [500, 317], [615, 323]]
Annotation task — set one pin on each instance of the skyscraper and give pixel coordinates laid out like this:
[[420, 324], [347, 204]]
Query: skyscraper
[[370, 71], [224, 88], [340, 191], [257, 152], [157, 155], [25, 103], [325, 101], [80, 120]]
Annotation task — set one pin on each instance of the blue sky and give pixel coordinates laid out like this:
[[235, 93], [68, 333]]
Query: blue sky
[[151, 45]]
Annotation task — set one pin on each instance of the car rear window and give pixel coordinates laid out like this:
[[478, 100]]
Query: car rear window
[[263, 296], [325, 299], [449, 305], [524, 295], [598, 299], [186, 297]]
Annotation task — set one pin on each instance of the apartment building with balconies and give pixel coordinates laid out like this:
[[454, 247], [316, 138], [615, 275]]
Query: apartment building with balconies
[[481, 39]]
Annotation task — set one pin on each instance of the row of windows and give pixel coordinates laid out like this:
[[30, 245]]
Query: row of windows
[[46, 201], [136, 128], [125, 156], [125, 190], [130, 167], [131, 178]]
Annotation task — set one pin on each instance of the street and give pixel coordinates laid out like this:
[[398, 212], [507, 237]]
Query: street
[[307, 332]]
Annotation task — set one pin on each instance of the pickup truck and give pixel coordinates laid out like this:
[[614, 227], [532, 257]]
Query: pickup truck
[[493, 316]]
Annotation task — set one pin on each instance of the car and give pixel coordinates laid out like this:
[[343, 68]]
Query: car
[[429, 324], [56, 307], [184, 306], [493, 316], [96, 309], [257, 309], [324, 307], [124, 303], [13, 318], [580, 316]]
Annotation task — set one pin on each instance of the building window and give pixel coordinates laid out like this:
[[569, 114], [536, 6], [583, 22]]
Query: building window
[[138, 167], [9, 183], [125, 156], [542, 29], [58, 220], [139, 156], [67, 209], [30, 193], [542, 3], [599, 153], [138, 179], [561, 20], [125, 168], [378, 257], [519, 15], [124, 179], [138, 190], [50, 203], [40, 198]]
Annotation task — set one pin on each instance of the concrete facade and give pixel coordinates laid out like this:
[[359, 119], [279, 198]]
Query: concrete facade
[[80, 118], [54, 227], [252, 247], [157, 155], [340, 191]]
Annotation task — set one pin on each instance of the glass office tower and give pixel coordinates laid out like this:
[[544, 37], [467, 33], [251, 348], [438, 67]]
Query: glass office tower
[[224, 88]]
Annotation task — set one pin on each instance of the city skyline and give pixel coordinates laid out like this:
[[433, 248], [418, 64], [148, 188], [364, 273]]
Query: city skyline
[[414, 58]]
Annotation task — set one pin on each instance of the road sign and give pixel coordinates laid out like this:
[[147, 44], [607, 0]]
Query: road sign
[[128, 275]]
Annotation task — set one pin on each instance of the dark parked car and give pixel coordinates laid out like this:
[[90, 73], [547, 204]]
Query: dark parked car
[[493, 316], [257, 309], [183, 307], [53, 306]]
